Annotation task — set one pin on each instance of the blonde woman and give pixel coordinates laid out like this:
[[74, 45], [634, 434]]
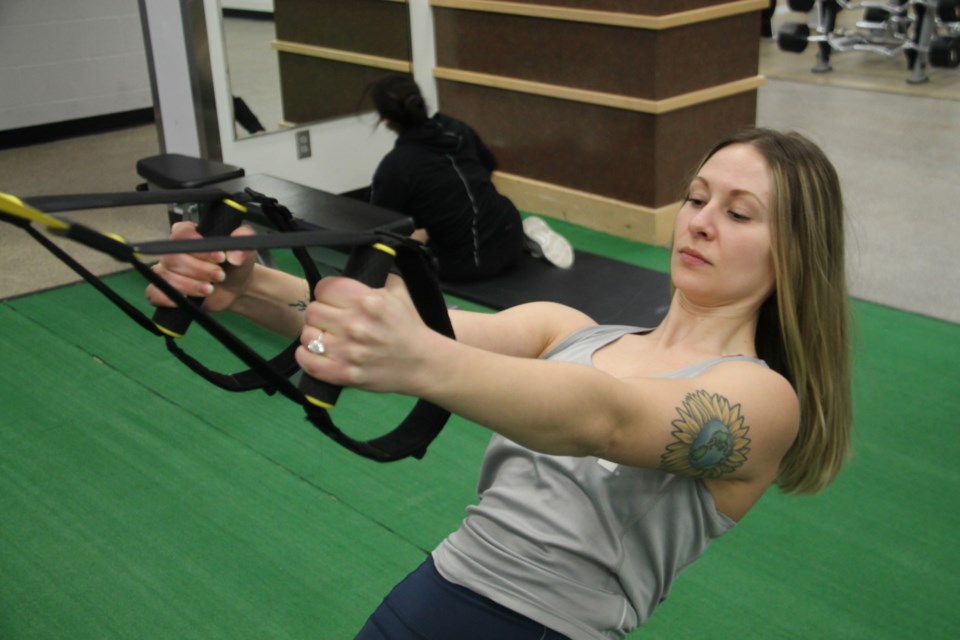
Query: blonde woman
[[619, 453]]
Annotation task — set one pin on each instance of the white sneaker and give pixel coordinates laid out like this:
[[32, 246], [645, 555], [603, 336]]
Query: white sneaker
[[548, 243]]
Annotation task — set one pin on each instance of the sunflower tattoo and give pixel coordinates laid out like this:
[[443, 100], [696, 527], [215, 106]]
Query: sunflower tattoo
[[711, 439]]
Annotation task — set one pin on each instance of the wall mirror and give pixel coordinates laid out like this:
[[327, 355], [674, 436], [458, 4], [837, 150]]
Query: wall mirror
[[253, 69], [292, 63], [303, 67]]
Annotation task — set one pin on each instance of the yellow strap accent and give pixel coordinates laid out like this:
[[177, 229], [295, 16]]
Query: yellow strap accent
[[15, 206], [167, 332], [122, 240], [319, 403], [387, 250], [236, 205]]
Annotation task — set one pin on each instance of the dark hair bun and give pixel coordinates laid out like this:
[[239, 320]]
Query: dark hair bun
[[397, 98]]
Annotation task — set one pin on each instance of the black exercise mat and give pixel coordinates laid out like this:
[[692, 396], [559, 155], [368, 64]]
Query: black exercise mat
[[609, 291]]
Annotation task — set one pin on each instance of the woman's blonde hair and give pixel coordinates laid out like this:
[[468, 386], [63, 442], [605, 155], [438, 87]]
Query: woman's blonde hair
[[804, 328]]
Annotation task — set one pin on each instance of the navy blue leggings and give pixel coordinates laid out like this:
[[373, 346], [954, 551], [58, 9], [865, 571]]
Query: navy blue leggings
[[425, 606]]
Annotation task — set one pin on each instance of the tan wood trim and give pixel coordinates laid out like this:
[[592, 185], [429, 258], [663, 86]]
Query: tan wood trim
[[339, 55], [616, 217], [710, 94], [613, 100], [613, 18]]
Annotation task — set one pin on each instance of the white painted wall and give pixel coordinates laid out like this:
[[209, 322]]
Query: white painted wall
[[68, 59]]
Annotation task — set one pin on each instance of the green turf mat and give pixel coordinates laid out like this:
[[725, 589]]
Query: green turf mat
[[274, 426], [138, 501], [126, 517]]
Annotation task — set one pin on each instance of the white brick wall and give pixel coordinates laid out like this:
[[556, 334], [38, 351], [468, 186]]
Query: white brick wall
[[68, 59]]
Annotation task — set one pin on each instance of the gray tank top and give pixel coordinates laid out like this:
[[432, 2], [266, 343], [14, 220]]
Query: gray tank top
[[584, 546]]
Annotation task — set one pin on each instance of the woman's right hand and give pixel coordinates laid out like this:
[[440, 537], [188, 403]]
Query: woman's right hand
[[219, 277]]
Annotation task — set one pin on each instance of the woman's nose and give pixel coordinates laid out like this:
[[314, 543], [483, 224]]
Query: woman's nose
[[701, 223]]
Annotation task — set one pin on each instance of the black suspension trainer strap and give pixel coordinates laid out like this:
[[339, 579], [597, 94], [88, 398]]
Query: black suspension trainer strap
[[374, 254], [135, 314], [220, 220], [425, 421]]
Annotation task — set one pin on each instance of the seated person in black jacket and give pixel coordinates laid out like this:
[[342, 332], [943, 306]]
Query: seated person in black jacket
[[438, 173]]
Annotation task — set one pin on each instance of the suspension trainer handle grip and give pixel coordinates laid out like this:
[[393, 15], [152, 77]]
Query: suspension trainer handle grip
[[220, 220], [370, 265]]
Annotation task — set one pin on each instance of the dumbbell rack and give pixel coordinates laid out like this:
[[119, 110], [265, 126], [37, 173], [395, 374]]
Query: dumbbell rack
[[925, 31]]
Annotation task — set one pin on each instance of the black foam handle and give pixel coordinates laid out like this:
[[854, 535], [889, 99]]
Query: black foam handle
[[220, 220], [370, 265]]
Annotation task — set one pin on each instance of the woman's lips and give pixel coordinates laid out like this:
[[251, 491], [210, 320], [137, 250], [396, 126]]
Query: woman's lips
[[692, 257]]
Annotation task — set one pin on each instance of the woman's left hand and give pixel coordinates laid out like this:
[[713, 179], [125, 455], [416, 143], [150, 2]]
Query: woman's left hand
[[373, 339]]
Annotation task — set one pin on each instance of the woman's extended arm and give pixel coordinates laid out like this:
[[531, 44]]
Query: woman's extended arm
[[743, 416], [276, 300]]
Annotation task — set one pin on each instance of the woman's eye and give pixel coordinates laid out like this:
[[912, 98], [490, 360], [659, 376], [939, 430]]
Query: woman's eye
[[739, 217], [695, 201]]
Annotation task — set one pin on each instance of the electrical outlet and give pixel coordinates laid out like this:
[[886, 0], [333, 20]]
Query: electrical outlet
[[303, 144]]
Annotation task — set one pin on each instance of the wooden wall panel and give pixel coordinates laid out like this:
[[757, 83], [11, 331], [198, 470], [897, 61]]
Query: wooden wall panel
[[633, 62], [331, 50], [317, 89], [613, 153], [375, 27]]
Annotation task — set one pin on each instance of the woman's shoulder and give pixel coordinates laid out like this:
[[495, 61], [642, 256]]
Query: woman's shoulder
[[751, 374], [758, 391], [580, 344], [396, 163], [730, 425]]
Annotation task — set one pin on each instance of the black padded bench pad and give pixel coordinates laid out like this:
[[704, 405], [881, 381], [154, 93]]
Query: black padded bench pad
[[322, 209], [177, 171], [607, 290]]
